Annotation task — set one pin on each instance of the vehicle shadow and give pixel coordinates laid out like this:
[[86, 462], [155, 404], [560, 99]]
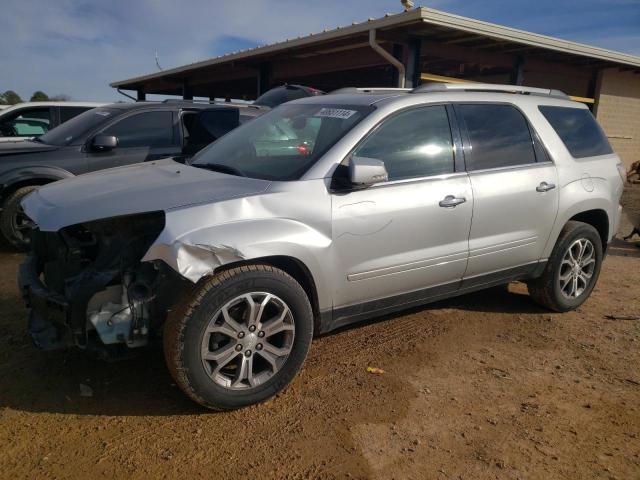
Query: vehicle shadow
[[498, 299], [71, 382], [624, 248], [5, 247]]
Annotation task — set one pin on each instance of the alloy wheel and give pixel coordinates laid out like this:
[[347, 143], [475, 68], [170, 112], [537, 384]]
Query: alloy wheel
[[577, 268], [248, 340]]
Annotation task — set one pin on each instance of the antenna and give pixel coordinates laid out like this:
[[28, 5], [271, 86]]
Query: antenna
[[157, 62]]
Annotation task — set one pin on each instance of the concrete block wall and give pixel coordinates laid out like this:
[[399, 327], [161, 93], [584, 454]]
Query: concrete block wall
[[618, 111]]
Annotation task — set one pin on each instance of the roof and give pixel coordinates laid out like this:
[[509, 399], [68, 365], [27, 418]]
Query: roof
[[443, 93], [52, 104], [426, 17], [179, 104]]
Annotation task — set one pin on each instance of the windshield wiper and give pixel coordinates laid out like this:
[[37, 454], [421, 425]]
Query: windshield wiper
[[218, 167]]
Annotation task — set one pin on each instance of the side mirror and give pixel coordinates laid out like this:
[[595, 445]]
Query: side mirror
[[104, 143], [365, 171]]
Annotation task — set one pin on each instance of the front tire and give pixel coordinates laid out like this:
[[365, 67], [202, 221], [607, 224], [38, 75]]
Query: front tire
[[16, 227], [572, 270], [240, 337]]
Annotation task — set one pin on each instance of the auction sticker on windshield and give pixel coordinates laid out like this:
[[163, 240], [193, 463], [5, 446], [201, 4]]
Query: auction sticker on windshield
[[335, 113]]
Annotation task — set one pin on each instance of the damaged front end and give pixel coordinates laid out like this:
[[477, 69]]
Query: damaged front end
[[86, 286]]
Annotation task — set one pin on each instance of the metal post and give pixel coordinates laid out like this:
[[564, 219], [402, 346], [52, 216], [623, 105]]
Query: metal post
[[263, 78], [517, 74], [187, 91], [142, 96], [412, 74]]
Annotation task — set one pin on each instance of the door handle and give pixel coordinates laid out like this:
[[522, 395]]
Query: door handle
[[545, 187], [450, 201]]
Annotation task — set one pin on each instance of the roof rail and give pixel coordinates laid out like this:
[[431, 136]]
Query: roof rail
[[370, 90], [489, 87], [185, 100]]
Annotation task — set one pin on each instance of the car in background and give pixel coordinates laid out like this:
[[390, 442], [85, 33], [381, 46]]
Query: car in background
[[123, 134], [31, 119]]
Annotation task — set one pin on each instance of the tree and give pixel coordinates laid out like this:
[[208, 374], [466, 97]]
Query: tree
[[10, 98], [39, 96], [61, 97]]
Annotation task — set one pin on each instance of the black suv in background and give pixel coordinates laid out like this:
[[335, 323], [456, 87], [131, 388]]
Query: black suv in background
[[115, 135]]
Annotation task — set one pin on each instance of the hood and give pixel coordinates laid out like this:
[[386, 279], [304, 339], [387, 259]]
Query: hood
[[139, 188], [18, 147]]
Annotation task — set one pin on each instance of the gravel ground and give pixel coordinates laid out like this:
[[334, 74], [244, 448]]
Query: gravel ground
[[487, 385]]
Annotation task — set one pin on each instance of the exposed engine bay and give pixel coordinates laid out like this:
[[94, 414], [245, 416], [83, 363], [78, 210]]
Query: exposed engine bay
[[87, 287]]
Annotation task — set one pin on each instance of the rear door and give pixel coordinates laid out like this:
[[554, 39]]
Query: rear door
[[142, 137], [514, 189]]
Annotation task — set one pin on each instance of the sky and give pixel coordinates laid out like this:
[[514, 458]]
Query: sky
[[77, 47]]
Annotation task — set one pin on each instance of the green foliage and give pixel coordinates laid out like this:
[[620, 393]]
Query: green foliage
[[61, 97], [9, 98], [39, 96]]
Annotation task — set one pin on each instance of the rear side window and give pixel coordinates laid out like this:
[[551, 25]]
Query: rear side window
[[579, 131], [499, 136], [149, 129]]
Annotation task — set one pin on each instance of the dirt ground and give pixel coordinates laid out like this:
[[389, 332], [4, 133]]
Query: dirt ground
[[483, 386]]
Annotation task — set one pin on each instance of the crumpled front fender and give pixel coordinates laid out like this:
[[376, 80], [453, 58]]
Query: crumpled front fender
[[198, 240]]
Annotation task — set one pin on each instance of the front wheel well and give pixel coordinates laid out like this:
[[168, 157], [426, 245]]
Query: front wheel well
[[599, 220], [37, 181], [294, 267]]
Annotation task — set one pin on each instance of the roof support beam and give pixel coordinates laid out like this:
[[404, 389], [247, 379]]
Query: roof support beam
[[141, 95], [412, 75], [264, 78], [187, 91], [517, 74]]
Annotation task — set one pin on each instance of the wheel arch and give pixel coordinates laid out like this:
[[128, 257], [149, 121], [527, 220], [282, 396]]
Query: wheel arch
[[23, 177], [598, 219], [292, 266]]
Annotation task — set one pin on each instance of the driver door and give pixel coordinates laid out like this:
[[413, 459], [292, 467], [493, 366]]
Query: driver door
[[400, 241]]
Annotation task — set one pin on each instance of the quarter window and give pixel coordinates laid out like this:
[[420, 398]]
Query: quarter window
[[26, 123], [499, 136], [149, 129], [414, 143], [578, 130]]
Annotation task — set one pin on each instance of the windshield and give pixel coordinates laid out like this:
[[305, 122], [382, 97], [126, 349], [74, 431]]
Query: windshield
[[282, 144], [70, 132]]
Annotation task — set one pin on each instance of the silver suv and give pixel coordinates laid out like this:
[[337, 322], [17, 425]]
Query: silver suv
[[323, 212]]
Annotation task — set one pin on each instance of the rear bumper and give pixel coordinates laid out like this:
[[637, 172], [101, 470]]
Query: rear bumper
[[48, 311]]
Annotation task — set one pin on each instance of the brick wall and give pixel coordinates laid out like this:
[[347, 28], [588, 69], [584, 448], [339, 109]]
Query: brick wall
[[618, 111]]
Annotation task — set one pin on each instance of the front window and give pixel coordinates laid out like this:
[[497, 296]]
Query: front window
[[282, 144], [147, 129], [412, 144], [73, 131]]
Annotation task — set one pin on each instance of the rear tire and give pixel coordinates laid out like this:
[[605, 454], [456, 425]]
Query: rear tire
[[572, 270], [240, 337], [14, 224]]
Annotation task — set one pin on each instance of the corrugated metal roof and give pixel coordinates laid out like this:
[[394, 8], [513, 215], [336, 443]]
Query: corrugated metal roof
[[420, 15]]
